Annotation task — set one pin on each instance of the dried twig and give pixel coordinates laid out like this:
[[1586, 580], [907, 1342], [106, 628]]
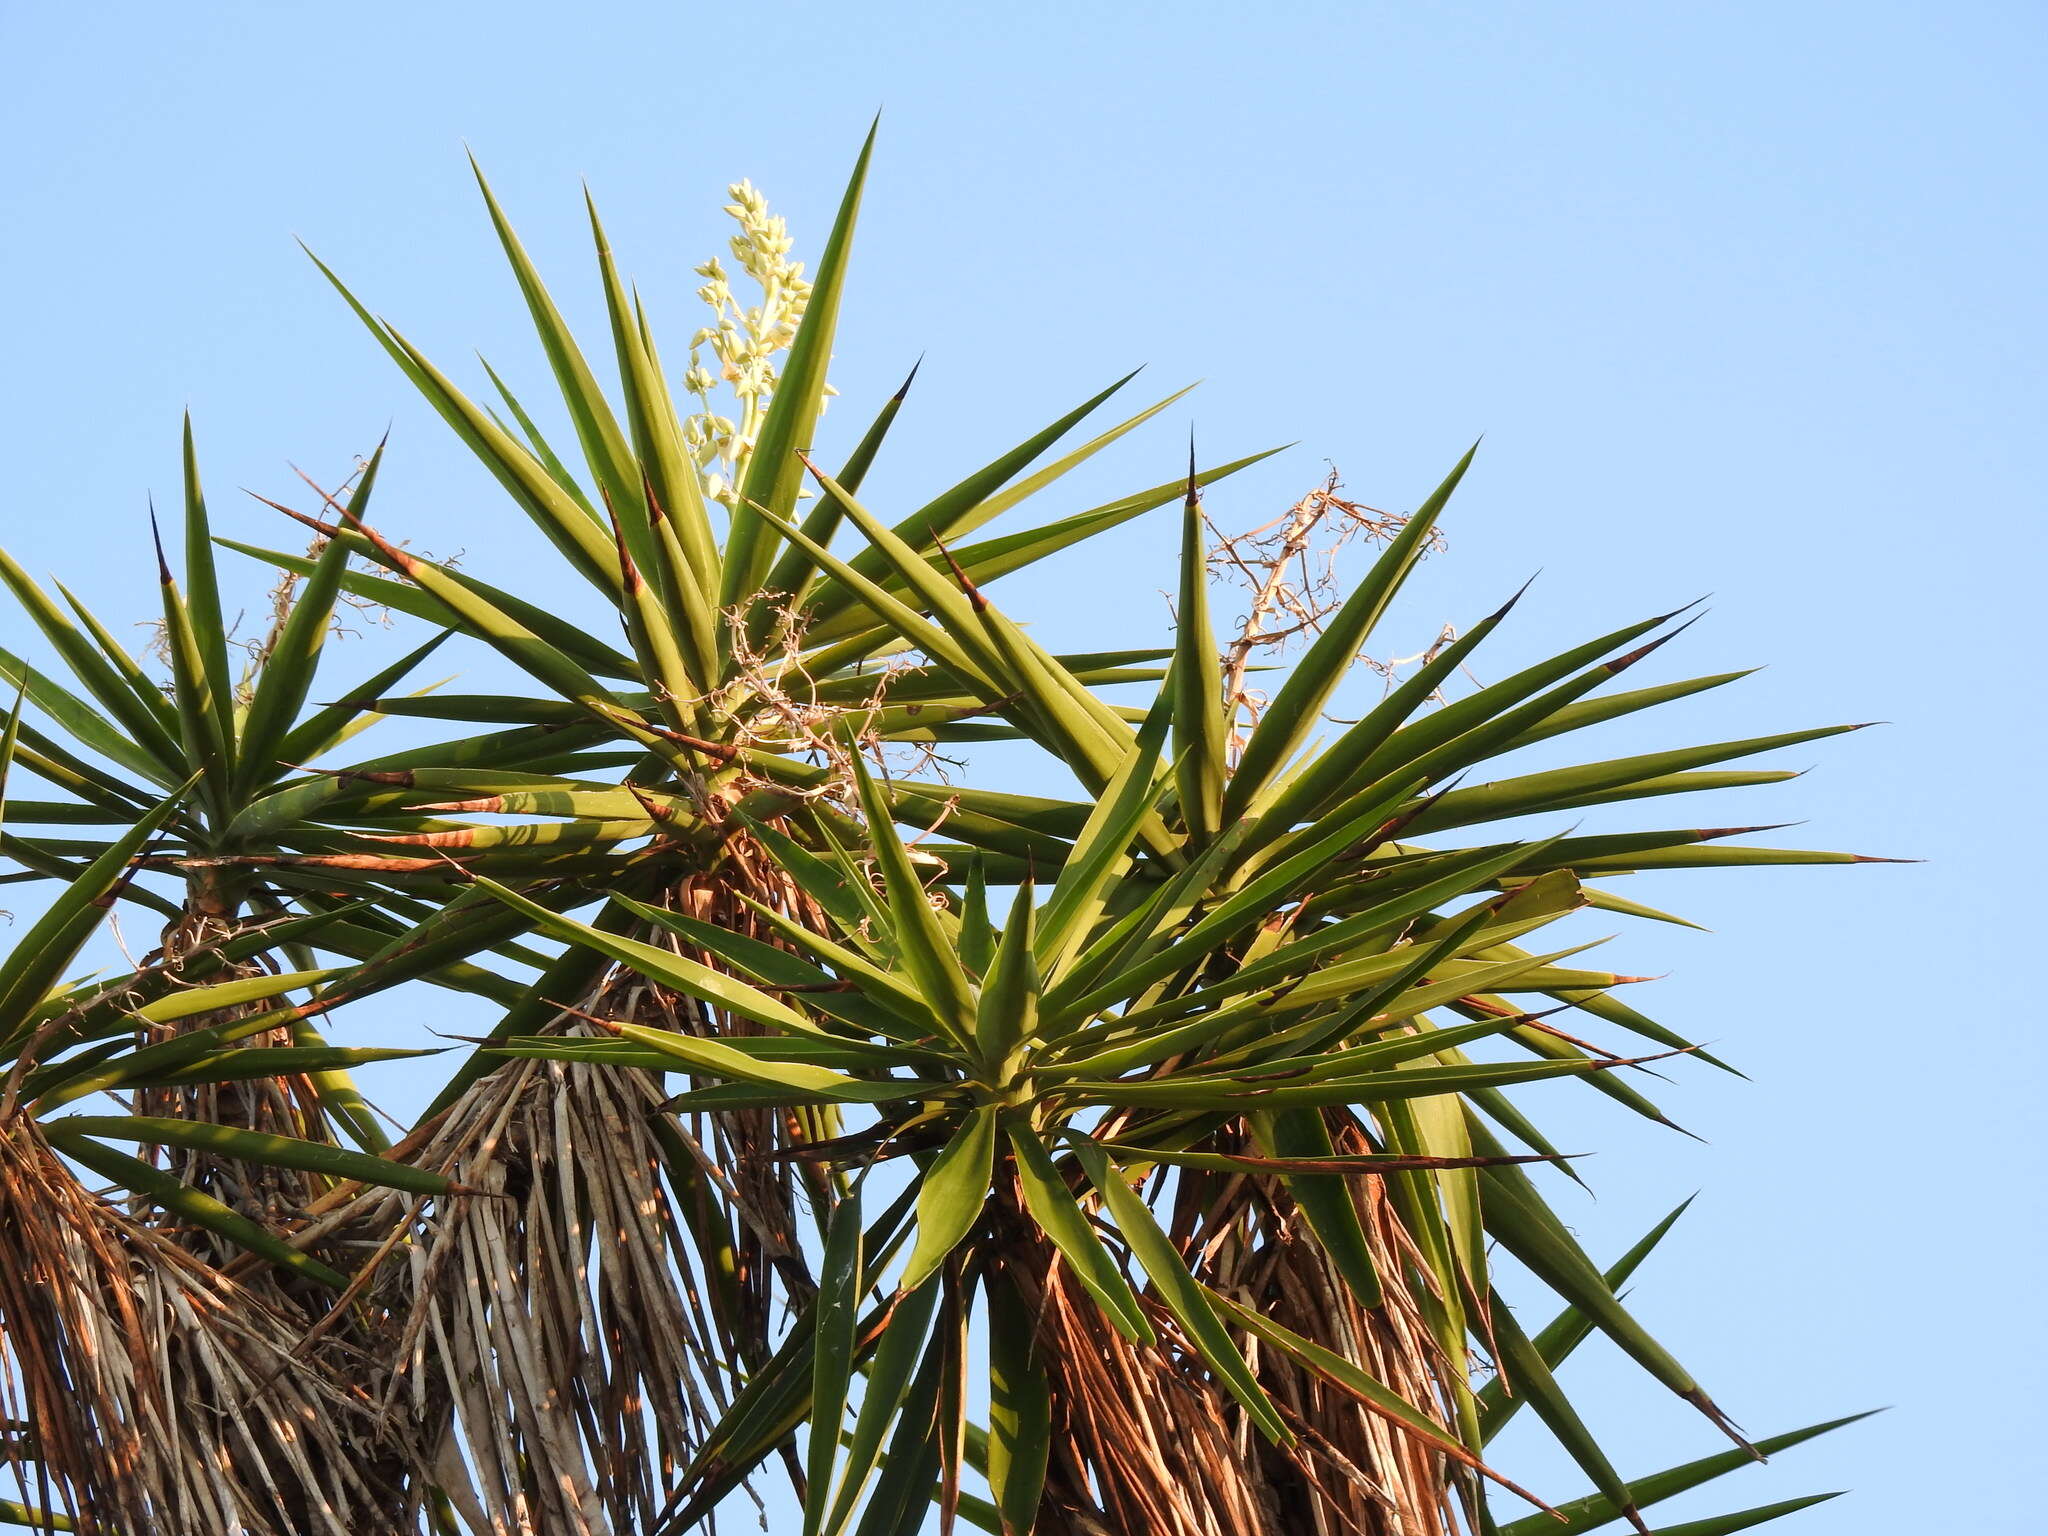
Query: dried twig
[[1289, 568]]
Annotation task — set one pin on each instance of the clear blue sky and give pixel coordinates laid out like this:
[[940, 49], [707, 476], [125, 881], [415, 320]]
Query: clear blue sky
[[1746, 299]]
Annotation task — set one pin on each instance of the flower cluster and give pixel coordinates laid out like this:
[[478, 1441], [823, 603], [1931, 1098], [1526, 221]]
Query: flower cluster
[[743, 341]]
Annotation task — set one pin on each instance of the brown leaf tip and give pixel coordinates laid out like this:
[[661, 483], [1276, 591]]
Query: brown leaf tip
[[1722, 1422], [1623, 663], [967, 586]]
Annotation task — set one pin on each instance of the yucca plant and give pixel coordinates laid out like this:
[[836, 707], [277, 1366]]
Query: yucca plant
[[1192, 1098], [242, 1116], [148, 1380], [1224, 998]]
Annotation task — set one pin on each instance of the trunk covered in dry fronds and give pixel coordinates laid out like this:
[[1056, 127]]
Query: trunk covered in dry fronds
[[1355, 1470], [584, 1307], [165, 1397], [1144, 1438], [285, 1105], [1141, 1439], [175, 1386], [550, 1309]]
